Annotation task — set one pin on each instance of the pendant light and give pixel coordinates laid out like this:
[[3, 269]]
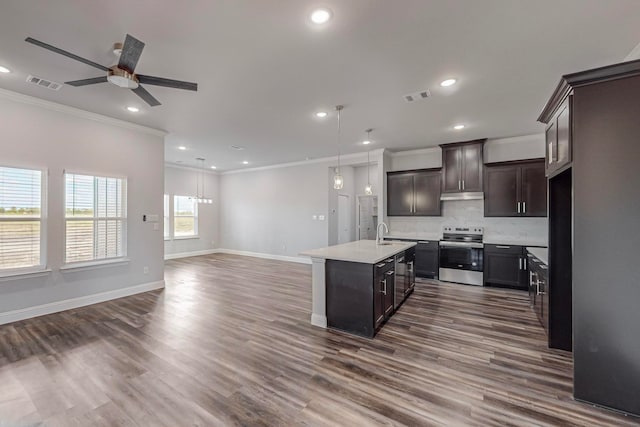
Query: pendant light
[[368, 190], [338, 181], [200, 179]]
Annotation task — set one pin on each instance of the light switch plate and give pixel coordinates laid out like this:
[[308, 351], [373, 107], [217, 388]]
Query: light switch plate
[[314, 217], [321, 217]]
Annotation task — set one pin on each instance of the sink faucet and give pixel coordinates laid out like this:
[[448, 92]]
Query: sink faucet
[[379, 237]]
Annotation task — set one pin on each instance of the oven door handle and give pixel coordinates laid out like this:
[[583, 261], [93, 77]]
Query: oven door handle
[[461, 245]]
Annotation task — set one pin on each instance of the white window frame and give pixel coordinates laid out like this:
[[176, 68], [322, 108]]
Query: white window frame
[[124, 199], [166, 217], [196, 219], [42, 265]]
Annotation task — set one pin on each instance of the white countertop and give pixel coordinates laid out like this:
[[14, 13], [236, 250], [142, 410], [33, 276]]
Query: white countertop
[[514, 241], [431, 237], [364, 251], [541, 253]]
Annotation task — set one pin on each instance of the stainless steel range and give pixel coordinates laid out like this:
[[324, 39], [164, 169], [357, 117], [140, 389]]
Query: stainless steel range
[[461, 255]]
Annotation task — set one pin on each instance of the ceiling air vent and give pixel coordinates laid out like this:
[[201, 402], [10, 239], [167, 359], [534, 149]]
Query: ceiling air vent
[[417, 96], [44, 83]]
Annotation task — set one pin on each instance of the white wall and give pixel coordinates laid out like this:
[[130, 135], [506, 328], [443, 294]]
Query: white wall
[[39, 134], [183, 182], [495, 150], [360, 179]]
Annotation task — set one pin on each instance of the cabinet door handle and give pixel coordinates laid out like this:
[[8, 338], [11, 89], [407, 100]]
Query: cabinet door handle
[[524, 207], [520, 263], [463, 184], [459, 185], [518, 207], [384, 290], [410, 266], [525, 264]]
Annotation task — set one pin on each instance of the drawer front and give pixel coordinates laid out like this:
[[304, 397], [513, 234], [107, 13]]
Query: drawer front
[[505, 249]]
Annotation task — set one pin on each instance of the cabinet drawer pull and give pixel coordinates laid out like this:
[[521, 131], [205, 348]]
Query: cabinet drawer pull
[[389, 260], [390, 273], [503, 247], [423, 241], [542, 266], [382, 264], [384, 290]]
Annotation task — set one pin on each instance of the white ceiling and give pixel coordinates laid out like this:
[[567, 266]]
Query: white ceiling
[[263, 69]]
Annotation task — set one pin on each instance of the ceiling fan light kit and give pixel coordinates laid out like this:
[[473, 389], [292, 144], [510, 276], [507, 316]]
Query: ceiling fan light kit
[[123, 74]]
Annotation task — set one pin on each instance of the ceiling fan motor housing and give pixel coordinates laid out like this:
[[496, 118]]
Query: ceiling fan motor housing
[[122, 78]]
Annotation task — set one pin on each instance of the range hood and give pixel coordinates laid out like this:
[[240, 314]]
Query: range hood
[[468, 195]]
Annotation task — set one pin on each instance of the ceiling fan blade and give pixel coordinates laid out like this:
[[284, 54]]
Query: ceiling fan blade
[[131, 51], [159, 81], [146, 96], [86, 82], [65, 53]]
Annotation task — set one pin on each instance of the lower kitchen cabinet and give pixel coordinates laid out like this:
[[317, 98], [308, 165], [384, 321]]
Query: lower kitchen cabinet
[[506, 266], [359, 296], [539, 290]]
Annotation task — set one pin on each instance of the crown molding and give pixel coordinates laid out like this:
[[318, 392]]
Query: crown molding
[[634, 54], [345, 160], [419, 151], [190, 168], [72, 111]]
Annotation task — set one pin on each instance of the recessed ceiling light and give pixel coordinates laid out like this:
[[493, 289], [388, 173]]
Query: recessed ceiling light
[[213, 167], [320, 16], [321, 114], [133, 109], [458, 127], [448, 82], [367, 142], [4, 70], [182, 147], [245, 162]]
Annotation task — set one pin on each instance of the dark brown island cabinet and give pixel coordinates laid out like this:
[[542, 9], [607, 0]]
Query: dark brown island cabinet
[[539, 293], [360, 297], [515, 189], [593, 153], [506, 266], [414, 193], [462, 166], [427, 257]]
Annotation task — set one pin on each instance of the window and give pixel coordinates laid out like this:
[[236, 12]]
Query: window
[[21, 228], [95, 218], [167, 219], [185, 216]]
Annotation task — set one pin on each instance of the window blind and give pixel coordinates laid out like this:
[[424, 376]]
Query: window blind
[[185, 216], [95, 218], [20, 218]]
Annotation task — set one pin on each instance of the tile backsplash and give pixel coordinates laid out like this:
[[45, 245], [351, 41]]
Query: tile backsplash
[[471, 213]]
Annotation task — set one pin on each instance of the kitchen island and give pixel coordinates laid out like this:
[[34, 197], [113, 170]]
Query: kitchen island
[[357, 286]]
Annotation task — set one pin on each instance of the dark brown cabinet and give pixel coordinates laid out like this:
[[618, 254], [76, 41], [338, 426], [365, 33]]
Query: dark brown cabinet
[[558, 141], [505, 266], [462, 167], [516, 188], [539, 290], [427, 259], [414, 193]]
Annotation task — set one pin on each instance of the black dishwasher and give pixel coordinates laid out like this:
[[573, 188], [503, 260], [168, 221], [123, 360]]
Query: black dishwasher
[[427, 259]]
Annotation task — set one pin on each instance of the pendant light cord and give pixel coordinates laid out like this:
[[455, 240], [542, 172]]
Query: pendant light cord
[[339, 108]]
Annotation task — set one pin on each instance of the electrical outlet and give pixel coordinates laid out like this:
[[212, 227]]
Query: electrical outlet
[[145, 270], [321, 217]]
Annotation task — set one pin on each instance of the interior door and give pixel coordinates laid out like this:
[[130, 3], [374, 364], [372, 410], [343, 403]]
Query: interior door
[[344, 218]]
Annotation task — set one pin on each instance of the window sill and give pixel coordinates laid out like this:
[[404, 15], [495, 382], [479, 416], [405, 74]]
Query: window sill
[[80, 266], [186, 237], [26, 273]]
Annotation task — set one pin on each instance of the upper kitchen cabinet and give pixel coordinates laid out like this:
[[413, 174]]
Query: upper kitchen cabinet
[[558, 140], [414, 193], [462, 170], [516, 188]]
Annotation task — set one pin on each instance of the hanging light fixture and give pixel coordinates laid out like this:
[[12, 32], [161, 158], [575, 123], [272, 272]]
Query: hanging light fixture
[[338, 181], [200, 179], [368, 190]]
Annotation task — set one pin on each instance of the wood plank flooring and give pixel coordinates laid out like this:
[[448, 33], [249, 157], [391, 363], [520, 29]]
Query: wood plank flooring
[[228, 342]]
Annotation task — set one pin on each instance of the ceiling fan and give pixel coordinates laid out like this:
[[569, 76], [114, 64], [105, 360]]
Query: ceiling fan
[[123, 74]]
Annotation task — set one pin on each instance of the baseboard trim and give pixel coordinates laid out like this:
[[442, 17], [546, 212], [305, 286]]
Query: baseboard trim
[[68, 304], [190, 254], [299, 260]]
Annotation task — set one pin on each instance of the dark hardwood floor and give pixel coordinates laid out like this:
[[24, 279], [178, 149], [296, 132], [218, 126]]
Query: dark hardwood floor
[[228, 342]]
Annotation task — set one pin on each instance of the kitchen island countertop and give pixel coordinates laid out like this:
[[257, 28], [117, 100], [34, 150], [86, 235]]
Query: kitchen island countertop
[[363, 251]]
